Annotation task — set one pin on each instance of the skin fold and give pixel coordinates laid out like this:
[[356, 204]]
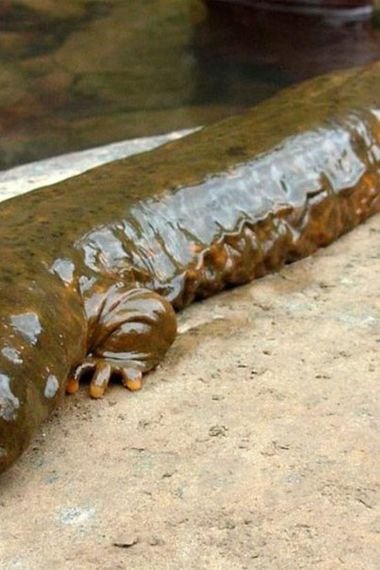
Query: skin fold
[[93, 269]]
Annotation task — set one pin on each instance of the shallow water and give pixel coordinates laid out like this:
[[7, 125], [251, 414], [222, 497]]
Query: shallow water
[[78, 74]]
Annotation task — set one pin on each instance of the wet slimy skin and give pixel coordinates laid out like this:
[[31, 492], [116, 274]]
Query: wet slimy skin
[[93, 269]]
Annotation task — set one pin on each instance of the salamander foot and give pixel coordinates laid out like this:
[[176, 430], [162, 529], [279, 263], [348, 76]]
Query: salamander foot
[[128, 337]]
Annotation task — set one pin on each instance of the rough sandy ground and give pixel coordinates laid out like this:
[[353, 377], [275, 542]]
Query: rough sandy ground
[[255, 445]]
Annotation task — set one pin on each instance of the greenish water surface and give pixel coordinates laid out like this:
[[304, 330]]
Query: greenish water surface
[[80, 73]]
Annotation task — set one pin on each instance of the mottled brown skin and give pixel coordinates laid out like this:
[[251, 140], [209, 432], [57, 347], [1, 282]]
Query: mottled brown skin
[[93, 268]]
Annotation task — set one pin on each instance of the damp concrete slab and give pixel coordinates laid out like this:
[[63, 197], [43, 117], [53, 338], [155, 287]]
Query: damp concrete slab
[[254, 446]]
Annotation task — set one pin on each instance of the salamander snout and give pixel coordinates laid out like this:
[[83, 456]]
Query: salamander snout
[[40, 338]]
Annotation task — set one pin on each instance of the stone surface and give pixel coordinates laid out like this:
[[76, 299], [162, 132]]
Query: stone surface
[[254, 445]]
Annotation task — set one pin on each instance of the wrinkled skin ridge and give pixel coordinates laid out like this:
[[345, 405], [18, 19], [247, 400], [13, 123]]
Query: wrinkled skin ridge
[[93, 269]]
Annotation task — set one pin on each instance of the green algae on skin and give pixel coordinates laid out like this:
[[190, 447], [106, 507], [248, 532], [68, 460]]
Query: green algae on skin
[[93, 268]]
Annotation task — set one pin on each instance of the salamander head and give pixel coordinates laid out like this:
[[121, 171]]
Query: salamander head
[[34, 362]]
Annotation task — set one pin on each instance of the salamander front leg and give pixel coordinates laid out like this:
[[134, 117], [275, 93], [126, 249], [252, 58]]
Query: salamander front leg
[[129, 336]]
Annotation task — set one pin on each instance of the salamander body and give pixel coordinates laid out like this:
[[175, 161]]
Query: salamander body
[[93, 269]]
